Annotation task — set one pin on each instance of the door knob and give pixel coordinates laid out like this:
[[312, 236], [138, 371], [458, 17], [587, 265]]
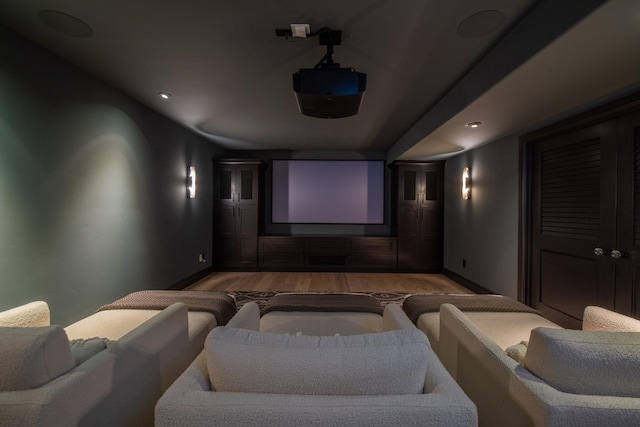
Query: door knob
[[598, 251], [615, 254]]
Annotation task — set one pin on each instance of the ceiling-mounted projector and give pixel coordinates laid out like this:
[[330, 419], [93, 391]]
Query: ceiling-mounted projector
[[328, 91]]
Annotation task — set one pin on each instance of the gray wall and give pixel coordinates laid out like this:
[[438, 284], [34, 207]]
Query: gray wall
[[484, 229], [92, 189]]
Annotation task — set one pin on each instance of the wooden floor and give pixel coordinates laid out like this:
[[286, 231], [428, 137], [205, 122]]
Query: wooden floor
[[328, 282]]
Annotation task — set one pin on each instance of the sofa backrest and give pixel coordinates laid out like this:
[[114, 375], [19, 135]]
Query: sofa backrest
[[392, 363]]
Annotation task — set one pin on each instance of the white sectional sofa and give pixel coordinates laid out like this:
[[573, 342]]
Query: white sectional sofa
[[124, 358], [565, 377], [103, 383], [247, 377]]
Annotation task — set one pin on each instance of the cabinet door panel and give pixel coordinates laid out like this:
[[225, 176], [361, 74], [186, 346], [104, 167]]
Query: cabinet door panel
[[225, 235], [409, 185], [226, 221], [225, 184], [431, 179], [409, 221], [247, 236], [430, 222], [247, 184]]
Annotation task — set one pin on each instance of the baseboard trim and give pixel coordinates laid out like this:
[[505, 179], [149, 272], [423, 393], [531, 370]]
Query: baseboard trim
[[472, 286], [191, 279]]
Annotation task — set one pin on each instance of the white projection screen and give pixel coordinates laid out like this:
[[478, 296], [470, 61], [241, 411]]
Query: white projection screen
[[327, 191]]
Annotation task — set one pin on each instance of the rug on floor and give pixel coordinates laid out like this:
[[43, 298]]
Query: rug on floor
[[261, 298]]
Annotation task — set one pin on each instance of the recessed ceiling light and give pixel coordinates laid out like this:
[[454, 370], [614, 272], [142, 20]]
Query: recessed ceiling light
[[474, 124], [164, 95]]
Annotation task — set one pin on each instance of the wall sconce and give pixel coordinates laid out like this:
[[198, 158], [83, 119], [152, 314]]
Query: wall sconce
[[466, 183], [191, 183]]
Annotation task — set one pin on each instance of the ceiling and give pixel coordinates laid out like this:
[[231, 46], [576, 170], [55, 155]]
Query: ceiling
[[432, 66]]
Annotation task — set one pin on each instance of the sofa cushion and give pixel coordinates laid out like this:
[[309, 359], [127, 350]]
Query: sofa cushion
[[31, 357], [601, 319], [242, 360], [583, 362]]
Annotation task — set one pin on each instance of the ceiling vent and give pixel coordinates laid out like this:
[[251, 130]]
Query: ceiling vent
[[328, 91]]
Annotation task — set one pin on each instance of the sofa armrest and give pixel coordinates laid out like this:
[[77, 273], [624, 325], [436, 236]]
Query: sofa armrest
[[32, 314], [248, 317], [481, 368], [394, 318], [162, 341], [147, 361], [600, 319]]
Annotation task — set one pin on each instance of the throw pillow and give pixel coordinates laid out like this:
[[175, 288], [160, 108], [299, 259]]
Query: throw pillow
[[84, 349], [518, 351], [583, 362]]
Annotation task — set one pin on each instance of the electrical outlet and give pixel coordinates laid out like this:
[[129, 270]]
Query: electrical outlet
[[464, 263], [201, 258]]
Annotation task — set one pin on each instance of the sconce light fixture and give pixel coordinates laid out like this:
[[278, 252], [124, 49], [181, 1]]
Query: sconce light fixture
[[466, 183], [191, 183]]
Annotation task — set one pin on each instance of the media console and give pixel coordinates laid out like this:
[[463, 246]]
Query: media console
[[324, 253]]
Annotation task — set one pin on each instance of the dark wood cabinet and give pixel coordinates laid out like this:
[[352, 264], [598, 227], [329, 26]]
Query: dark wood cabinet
[[326, 253], [323, 253], [238, 191], [585, 217], [281, 253], [374, 253], [417, 214], [238, 182]]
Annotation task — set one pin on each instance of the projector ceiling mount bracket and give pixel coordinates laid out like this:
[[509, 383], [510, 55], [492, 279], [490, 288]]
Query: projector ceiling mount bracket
[[329, 38]]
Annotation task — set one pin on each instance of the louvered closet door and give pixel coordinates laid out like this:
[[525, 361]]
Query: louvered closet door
[[628, 230], [574, 201]]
